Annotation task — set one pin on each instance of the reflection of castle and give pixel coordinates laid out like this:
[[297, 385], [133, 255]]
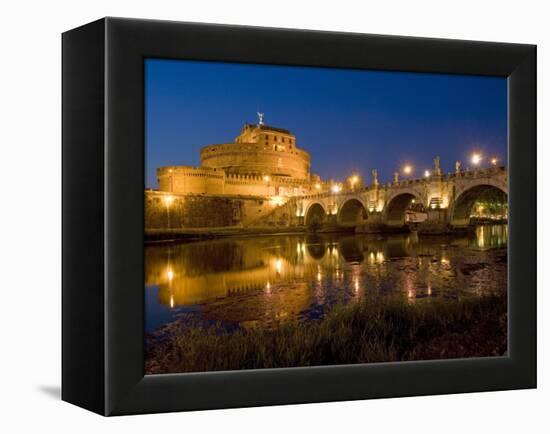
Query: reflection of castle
[[263, 161]]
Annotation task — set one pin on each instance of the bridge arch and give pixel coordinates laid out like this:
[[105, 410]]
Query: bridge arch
[[352, 212], [398, 204], [461, 208], [315, 212]]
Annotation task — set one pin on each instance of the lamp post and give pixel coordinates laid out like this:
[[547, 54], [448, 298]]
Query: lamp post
[[168, 202], [353, 180]]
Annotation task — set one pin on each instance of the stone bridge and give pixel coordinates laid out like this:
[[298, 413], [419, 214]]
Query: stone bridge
[[446, 198]]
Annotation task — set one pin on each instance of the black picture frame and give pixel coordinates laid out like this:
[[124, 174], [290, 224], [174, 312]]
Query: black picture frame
[[103, 185]]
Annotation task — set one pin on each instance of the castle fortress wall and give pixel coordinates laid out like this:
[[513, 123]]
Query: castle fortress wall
[[165, 211], [209, 181], [191, 180]]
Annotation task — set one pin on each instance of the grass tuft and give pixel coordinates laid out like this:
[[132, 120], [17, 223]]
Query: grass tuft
[[378, 329]]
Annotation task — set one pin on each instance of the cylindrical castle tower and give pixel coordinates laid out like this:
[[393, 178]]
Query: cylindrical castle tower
[[259, 150]]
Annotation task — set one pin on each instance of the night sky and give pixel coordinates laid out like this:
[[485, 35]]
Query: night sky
[[348, 120]]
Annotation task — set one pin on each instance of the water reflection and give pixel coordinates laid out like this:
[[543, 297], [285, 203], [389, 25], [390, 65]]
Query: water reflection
[[264, 281]]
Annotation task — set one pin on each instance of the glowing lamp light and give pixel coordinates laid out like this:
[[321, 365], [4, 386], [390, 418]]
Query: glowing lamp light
[[476, 158], [336, 188], [318, 186], [494, 161], [407, 170], [266, 178], [277, 200], [426, 173], [168, 200]]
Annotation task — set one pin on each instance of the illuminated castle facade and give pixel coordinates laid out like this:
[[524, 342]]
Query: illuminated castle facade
[[262, 161]]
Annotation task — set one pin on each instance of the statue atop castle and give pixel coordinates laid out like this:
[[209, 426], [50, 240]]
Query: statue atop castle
[[260, 118]]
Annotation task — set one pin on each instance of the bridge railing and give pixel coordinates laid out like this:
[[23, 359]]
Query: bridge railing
[[467, 174]]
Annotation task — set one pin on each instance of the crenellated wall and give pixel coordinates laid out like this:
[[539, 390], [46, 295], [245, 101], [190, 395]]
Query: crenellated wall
[[209, 181], [260, 159]]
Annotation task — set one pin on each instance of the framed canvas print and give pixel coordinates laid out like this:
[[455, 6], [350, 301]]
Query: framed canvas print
[[258, 216]]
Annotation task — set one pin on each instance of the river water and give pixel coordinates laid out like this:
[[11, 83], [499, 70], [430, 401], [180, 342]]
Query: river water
[[267, 280]]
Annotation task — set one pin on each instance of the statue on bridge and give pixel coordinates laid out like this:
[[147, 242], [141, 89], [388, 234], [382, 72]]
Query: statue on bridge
[[437, 167], [457, 167], [375, 177], [396, 178]]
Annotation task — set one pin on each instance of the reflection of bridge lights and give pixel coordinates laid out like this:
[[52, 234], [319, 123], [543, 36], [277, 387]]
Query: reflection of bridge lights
[[171, 301], [278, 265], [356, 285], [319, 276], [170, 275], [476, 158], [445, 261], [268, 287]]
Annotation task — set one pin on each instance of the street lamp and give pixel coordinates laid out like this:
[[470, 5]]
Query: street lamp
[[476, 158], [407, 170], [353, 181], [426, 173], [336, 188], [168, 200], [494, 161]]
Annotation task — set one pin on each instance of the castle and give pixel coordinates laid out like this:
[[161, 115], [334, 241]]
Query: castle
[[262, 161]]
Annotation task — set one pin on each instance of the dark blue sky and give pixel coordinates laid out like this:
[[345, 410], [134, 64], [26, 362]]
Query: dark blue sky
[[349, 120]]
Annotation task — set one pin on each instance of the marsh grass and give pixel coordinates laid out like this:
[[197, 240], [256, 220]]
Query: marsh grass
[[378, 329]]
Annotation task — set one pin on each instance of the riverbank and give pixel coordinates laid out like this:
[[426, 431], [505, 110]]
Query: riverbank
[[156, 236], [377, 329], [195, 234]]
